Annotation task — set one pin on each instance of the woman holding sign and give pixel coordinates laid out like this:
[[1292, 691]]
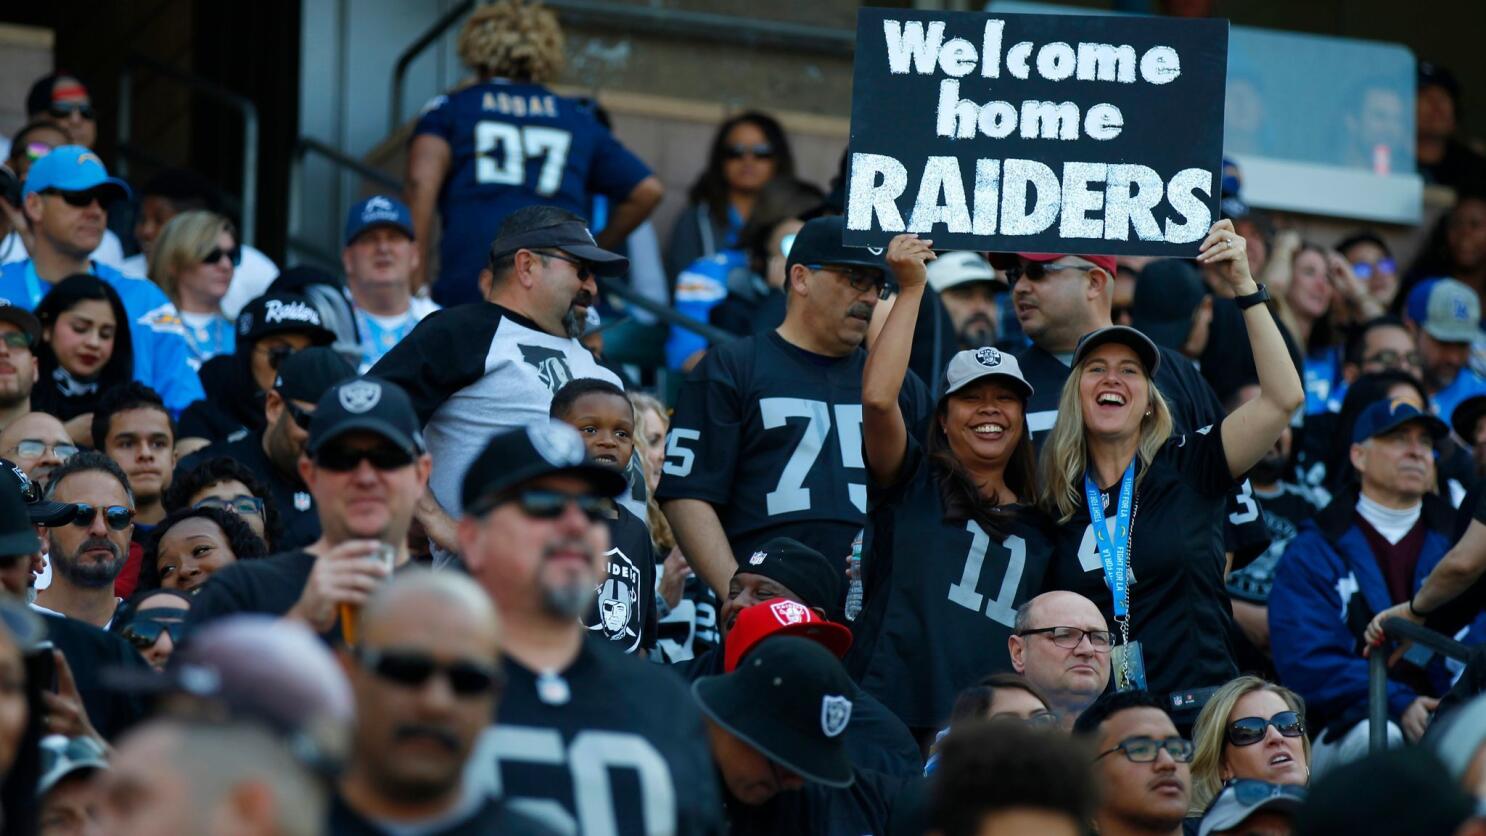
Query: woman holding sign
[[1155, 561], [953, 544]]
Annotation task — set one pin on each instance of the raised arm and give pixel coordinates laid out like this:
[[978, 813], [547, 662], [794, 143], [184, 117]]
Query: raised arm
[[631, 212], [1249, 431], [428, 164], [1461, 566], [884, 431]]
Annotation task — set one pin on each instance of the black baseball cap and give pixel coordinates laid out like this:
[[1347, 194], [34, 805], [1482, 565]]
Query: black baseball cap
[[1167, 293], [22, 319], [819, 242], [307, 375], [571, 237], [17, 532], [41, 511], [540, 449], [791, 700], [277, 313], [367, 404], [1149, 355]]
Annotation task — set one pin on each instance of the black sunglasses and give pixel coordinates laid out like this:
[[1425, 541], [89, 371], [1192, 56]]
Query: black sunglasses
[[235, 255], [301, 416], [116, 517], [1147, 749], [544, 504], [860, 280], [62, 111], [16, 339], [405, 667], [345, 460], [761, 151], [1036, 270], [144, 632], [275, 354], [77, 199], [1246, 731], [581, 267]]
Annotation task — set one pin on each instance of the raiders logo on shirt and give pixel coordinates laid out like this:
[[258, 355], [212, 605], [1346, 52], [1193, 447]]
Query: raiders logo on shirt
[[551, 365], [618, 617]]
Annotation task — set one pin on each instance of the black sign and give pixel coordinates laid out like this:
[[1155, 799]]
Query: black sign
[[1036, 133]]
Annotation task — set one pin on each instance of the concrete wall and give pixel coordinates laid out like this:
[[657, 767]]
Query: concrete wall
[[25, 55]]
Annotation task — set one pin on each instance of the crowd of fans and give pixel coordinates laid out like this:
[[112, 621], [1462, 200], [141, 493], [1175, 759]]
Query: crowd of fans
[[918, 542]]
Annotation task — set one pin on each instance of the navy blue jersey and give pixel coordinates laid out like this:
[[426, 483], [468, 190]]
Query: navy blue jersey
[[771, 436], [513, 145]]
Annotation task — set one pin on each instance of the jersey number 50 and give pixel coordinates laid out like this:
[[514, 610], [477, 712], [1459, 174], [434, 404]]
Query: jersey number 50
[[502, 149]]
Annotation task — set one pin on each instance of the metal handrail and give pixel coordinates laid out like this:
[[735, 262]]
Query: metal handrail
[[1398, 629], [305, 147], [711, 333], [698, 27], [248, 222]]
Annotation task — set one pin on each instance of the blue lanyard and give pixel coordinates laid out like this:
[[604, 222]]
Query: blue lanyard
[[1116, 555], [33, 284]]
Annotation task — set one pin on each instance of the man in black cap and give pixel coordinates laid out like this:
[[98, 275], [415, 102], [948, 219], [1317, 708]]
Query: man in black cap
[[476, 369], [273, 454], [365, 466], [1172, 306], [766, 440], [19, 334], [579, 718]]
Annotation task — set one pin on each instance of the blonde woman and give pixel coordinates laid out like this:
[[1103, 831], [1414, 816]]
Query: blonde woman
[[506, 141], [651, 423], [1155, 562], [1251, 729], [192, 261]]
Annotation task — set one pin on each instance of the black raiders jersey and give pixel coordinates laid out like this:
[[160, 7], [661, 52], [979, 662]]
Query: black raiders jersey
[[623, 611], [771, 436], [611, 745]]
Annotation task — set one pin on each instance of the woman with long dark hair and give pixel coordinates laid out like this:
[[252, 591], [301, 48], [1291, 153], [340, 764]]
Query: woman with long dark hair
[[747, 152], [85, 349], [953, 545]]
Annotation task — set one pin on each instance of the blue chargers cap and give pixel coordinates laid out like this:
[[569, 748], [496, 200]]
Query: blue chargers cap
[[378, 210], [1384, 417], [73, 168]]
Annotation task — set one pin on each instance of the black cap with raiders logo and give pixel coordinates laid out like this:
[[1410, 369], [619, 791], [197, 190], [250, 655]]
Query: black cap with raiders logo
[[42, 511], [521, 455], [276, 313], [791, 700], [17, 532], [366, 404], [571, 237]]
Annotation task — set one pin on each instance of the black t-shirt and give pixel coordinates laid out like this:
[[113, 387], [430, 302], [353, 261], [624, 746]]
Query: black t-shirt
[[867, 806], [89, 651], [270, 585], [616, 746], [1179, 608], [940, 595], [689, 629], [492, 818], [771, 436], [297, 514], [623, 610]]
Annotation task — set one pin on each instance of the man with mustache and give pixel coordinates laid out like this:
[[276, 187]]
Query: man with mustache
[[88, 555], [427, 678], [474, 370], [1369, 549], [589, 739], [767, 437]]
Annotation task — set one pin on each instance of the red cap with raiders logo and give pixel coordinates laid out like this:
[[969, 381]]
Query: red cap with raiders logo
[[781, 617]]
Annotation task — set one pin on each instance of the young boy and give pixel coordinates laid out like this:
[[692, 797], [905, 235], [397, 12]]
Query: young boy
[[624, 611]]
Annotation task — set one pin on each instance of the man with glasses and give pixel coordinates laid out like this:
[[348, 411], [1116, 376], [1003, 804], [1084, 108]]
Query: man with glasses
[[481, 368], [88, 555], [222, 482], [1141, 764], [766, 440], [427, 679], [65, 200], [1061, 644], [579, 719], [273, 454], [19, 334], [365, 466], [39, 443]]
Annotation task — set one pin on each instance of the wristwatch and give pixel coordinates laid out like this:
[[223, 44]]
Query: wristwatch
[[1255, 298]]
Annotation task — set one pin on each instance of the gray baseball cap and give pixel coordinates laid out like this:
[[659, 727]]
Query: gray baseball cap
[[1452, 312], [972, 364], [953, 269]]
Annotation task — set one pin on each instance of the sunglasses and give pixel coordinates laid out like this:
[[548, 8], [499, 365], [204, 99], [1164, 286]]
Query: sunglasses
[[116, 517], [240, 505], [62, 111], [33, 448], [1146, 749], [1069, 638], [275, 354], [1036, 270], [581, 267], [345, 460], [1246, 731], [762, 151], [860, 280], [466, 679], [1364, 271], [301, 417], [15, 339], [549, 505], [80, 200], [144, 632], [234, 255]]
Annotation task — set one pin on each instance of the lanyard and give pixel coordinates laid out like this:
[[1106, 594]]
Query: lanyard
[[33, 284], [1115, 555]]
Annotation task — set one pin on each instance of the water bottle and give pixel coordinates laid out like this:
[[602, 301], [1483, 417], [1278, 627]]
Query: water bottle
[[854, 588]]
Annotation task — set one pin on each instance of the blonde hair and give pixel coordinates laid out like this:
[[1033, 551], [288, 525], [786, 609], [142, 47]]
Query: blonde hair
[[182, 243], [661, 534], [513, 39], [1210, 734], [1065, 454]]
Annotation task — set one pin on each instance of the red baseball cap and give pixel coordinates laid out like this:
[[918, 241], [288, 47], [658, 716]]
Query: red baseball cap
[[1004, 260], [781, 617]]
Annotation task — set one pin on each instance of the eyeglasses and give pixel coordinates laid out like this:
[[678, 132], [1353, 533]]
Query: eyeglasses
[[79, 200], [240, 505], [1251, 791], [144, 632], [235, 255], [1035, 270], [547, 505], [345, 459], [761, 151], [1069, 638], [584, 271], [275, 353], [466, 679], [860, 279], [16, 339], [300, 416], [1146, 749], [1246, 731], [33, 448], [59, 110], [1390, 359], [116, 517], [1364, 270]]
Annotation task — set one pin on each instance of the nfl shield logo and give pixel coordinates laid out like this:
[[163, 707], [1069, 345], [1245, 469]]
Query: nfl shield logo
[[757, 559], [835, 713], [790, 612], [301, 501]]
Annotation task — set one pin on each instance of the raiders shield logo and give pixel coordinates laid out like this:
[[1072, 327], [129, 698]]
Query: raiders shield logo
[[551, 365], [835, 713], [988, 357], [789, 612], [558, 443], [618, 603], [359, 396]]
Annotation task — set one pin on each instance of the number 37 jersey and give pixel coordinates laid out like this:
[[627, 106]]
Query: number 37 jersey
[[771, 436]]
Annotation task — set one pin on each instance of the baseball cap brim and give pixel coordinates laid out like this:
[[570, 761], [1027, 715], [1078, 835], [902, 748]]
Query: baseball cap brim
[[369, 424], [601, 260], [1010, 379], [828, 634], [22, 319], [387, 224], [605, 481], [1436, 427], [825, 763], [1144, 348], [1452, 332], [63, 769], [1228, 816], [1466, 415], [51, 513]]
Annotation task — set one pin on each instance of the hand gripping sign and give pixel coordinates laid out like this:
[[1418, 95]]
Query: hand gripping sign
[[1036, 133]]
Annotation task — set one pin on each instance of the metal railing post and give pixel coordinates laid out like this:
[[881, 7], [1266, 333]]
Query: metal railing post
[[709, 332], [1377, 699]]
